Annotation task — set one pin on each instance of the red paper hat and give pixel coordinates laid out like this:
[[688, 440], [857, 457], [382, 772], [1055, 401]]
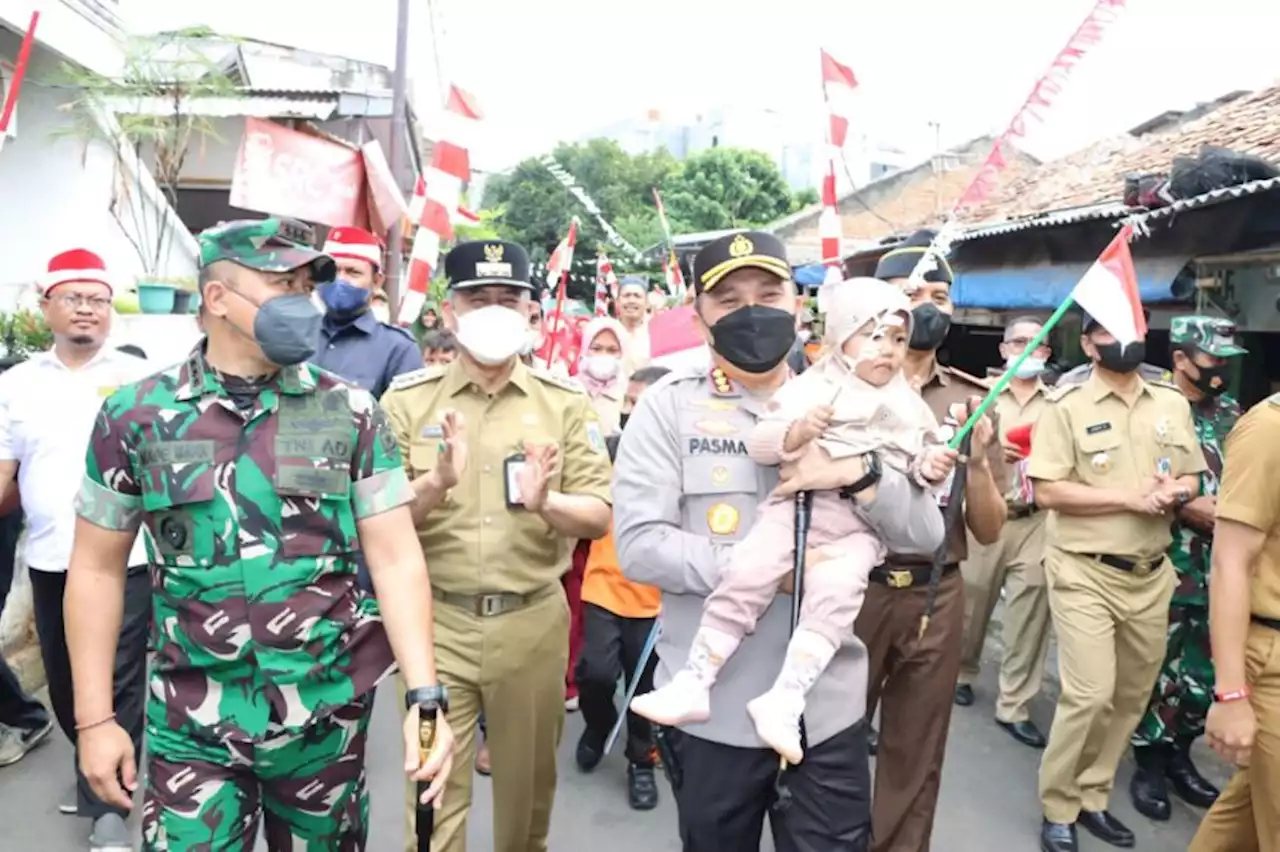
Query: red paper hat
[[355, 243], [76, 265], [1020, 437]]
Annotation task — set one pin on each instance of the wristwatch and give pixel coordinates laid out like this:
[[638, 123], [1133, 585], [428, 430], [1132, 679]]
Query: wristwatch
[[1184, 497], [427, 698], [871, 461]]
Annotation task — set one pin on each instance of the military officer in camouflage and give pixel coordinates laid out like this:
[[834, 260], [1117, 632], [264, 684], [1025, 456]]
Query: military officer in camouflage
[[255, 478], [499, 512], [1204, 349]]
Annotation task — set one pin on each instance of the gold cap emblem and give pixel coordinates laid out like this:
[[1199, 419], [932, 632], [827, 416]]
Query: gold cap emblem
[[741, 246], [493, 253]]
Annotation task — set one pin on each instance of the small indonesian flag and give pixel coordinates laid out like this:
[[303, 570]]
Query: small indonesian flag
[[674, 339], [1109, 292], [829, 227], [838, 85], [561, 260]]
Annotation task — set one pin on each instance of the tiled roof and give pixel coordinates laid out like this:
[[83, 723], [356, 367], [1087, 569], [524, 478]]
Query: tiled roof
[[1248, 125]]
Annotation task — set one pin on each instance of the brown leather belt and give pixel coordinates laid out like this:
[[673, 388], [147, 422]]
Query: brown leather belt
[[1273, 623], [904, 575], [1138, 568], [489, 604]]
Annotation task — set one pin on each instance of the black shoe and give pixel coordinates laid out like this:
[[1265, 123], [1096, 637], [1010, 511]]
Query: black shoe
[[1192, 787], [964, 695], [1056, 837], [1150, 794], [590, 751], [873, 740], [642, 787], [1024, 732], [1105, 827]]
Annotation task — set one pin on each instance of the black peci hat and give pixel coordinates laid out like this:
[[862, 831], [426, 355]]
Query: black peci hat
[[900, 261]]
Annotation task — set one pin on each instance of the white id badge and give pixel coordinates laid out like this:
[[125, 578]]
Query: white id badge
[[944, 490], [511, 470]]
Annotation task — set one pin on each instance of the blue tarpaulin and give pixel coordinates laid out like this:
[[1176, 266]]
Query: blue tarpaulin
[[1044, 287], [809, 276]]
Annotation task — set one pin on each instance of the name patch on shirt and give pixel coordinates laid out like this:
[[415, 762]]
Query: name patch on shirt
[[328, 446], [717, 447], [176, 452], [1096, 428]]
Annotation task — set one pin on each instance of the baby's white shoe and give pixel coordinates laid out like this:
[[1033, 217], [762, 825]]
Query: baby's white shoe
[[686, 699], [776, 715]]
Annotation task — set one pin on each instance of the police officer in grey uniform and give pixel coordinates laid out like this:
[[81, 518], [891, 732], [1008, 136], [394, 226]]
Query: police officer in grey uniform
[[684, 491]]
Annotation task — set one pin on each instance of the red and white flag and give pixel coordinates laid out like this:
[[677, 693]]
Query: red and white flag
[[10, 103], [1109, 292], [838, 85], [829, 226], [441, 190], [419, 203], [606, 284], [561, 259]]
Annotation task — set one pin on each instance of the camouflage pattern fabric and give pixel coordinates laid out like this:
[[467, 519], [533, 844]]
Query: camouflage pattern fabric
[[1184, 689], [308, 787], [1214, 335], [267, 245], [249, 517]]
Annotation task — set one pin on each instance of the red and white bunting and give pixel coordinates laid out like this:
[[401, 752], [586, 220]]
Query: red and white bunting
[[838, 85], [440, 187], [606, 284], [419, 203], [829, 227]]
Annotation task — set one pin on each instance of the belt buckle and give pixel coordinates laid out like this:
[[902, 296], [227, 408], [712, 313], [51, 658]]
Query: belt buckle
[[491, 604], [1142, 569], [898, 579]]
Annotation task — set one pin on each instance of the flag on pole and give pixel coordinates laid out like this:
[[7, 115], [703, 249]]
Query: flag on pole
[[838, 85], [562, 258], [419, 202], [15, 83], [1109, 292], [606, 284], [670, 264], [441, 196]]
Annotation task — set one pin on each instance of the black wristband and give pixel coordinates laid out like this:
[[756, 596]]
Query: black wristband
[[428, 698]]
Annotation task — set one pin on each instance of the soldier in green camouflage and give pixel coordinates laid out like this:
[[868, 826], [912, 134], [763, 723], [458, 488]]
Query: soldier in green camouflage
[[255, 478], [1203, 352]]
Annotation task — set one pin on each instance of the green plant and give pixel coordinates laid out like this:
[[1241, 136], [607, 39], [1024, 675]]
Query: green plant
[[151, 110], [24, 332]]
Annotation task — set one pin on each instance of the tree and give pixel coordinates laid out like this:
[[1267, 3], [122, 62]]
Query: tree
[[722, 188]]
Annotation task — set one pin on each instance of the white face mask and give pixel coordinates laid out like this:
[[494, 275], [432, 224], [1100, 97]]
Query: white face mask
[[493, 334], [601, 367], [1029, 369]]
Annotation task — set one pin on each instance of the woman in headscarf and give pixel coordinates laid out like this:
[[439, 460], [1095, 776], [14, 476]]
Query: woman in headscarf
[[600, 370]]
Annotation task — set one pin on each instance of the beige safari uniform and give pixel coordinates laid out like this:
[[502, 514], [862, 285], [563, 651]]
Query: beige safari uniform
[[1247, 814], [501, 619], [1015, 563], [1109, 581], [608, 408]]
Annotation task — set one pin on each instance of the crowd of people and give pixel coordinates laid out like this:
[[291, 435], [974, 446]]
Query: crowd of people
[[767, 547]]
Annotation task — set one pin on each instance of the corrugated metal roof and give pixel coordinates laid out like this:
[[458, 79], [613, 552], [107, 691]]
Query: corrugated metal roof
[[314, 106], [1216, 196], [1108, 210]]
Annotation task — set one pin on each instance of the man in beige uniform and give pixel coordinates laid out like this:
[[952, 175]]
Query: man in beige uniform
[[1015, 562], [633, 312], [1112, 459], [1244, 618], [497, 517]]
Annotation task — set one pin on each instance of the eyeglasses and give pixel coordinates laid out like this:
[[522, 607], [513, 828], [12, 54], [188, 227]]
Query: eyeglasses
[[1023, 342], [75, 301]]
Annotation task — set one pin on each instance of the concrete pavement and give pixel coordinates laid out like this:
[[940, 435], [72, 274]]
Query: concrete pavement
[[988, 796]]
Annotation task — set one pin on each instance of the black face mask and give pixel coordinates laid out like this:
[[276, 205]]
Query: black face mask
[[754, 338], [1121, 359], [1212, 380], [929, 327]]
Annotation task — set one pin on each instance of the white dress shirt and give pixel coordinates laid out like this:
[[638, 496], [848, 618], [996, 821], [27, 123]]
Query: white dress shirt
[[47, 412]]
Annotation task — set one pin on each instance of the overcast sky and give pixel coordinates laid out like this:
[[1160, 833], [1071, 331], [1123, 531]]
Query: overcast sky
[[547, 70]]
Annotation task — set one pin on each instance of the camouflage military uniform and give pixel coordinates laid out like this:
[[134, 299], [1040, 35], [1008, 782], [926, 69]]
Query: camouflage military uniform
[[1184, 689], [266, 651]]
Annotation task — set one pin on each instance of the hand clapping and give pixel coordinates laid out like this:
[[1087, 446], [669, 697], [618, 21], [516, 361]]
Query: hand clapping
[[541, 463]]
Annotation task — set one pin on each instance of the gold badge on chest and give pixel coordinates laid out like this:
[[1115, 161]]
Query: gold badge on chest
[[722, 519]]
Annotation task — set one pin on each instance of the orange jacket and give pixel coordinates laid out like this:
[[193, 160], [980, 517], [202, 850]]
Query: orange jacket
[[604, 585]]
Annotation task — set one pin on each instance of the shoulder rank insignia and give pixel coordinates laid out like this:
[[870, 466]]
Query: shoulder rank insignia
[[416, 377], [551, 378], [1169, 385], [722, 384], [1061, 391]]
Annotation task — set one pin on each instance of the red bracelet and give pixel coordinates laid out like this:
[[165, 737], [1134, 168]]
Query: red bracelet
[[1231, 695]]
